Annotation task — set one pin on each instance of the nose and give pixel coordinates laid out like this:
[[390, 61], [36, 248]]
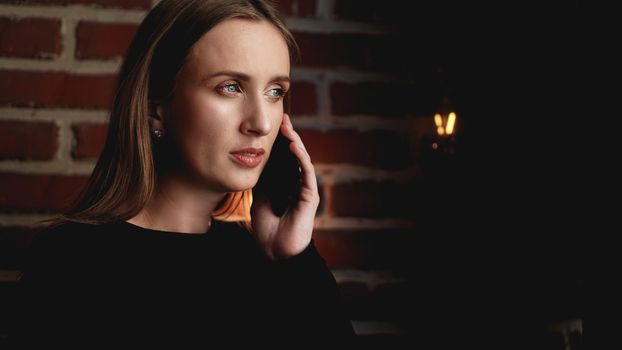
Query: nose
[[256, 117]]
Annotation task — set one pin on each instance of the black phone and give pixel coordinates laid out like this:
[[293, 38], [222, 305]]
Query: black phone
[[281, 179]]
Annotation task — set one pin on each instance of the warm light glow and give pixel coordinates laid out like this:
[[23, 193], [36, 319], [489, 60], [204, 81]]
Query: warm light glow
[[434, 145], [445, 126], [438, 120], [451, 122]]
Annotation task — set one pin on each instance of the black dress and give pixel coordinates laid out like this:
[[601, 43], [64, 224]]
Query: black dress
[[120, 284]]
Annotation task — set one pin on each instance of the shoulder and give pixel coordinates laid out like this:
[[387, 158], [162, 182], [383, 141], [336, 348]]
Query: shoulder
[[67, 228], [62, 242], [66, 233]]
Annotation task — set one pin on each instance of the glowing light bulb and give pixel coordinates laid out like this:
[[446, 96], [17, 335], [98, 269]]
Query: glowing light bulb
[[438, 120], [451, 122]]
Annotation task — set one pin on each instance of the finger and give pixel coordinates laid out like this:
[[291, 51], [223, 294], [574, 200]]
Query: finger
[[308, 170], [297, 147], [290, 133]]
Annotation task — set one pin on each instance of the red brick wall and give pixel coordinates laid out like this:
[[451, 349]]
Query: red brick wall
[[360, 120]]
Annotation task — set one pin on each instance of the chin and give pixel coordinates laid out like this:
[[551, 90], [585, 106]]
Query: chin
[[242, 185]]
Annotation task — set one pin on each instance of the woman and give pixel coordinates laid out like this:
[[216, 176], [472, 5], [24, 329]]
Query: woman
[[166, 244]]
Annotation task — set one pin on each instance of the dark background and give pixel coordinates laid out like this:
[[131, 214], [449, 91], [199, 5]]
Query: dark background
[[512, 260]]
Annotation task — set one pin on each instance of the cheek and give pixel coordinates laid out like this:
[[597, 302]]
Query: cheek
[[279, 107], [276, 112], [202, 116]]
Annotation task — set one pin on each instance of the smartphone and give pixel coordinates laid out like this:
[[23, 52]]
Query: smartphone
[[281, 179]]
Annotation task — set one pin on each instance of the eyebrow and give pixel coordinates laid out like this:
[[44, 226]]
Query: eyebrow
[[245, 77]]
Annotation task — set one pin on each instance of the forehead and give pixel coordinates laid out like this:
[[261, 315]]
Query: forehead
[[252, 47]]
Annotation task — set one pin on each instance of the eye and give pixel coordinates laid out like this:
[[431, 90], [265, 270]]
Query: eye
[[276, 93], [230, 88]]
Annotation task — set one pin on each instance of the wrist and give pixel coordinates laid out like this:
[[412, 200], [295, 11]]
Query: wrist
[[278, 252]]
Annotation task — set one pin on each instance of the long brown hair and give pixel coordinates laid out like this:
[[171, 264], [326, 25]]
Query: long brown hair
[[125, 176]]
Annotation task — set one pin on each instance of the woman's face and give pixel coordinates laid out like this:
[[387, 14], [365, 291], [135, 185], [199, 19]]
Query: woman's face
[[228, 97]]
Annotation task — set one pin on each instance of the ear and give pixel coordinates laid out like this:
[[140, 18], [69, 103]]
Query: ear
[[156, 116]]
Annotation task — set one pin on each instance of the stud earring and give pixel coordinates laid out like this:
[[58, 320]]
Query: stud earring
[[158, 133]]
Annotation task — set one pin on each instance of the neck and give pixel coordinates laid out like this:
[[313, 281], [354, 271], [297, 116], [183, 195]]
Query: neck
[[178, 206]]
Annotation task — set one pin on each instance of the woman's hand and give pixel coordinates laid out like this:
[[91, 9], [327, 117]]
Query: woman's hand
[[286, 236]]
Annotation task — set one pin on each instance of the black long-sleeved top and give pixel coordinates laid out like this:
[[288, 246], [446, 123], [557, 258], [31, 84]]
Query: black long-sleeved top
[[120, 284]]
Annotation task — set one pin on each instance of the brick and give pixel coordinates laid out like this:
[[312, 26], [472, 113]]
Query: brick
[[30, 37], [28, 140], [366, 249], [56, 89], [352, 51], [90, 138], [103, 40], [303, 98], [124, 4], [38, 192], [387, 99], [374, 199], [301, 8], [378, 149]]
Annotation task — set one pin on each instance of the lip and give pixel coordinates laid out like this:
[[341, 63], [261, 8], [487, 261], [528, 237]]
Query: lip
[[249, 157]]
